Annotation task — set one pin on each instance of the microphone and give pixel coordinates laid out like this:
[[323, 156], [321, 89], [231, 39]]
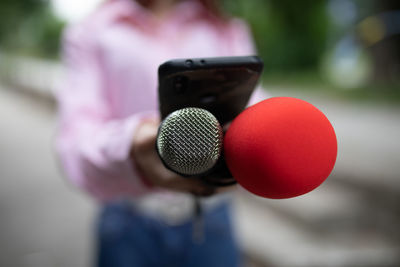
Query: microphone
[[281, 147], [189, 141]]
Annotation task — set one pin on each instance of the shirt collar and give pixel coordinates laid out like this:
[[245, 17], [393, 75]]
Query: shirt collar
[[132, 12]]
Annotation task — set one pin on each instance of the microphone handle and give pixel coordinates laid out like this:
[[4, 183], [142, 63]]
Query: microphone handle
[[220, 174]]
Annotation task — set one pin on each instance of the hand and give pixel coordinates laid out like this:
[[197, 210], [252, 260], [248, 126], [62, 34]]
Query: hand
[[144, 155]]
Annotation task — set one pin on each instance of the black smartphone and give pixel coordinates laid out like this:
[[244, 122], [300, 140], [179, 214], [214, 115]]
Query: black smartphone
[[221, 85]]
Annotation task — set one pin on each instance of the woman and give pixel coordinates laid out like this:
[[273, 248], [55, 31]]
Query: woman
[[108, 124]]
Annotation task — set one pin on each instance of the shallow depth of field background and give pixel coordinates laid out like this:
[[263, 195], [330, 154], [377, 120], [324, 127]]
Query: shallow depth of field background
[[343, 56]]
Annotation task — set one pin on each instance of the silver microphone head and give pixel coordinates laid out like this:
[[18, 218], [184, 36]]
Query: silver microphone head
[[189, 141]]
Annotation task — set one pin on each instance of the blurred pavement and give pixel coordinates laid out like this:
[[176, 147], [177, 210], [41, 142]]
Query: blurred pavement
[[43, 222]]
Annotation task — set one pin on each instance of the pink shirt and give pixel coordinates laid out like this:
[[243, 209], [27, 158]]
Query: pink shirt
[[110, 85]]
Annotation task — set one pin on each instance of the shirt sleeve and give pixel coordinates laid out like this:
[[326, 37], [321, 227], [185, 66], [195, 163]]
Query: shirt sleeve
[[244, 45], [93, 146]]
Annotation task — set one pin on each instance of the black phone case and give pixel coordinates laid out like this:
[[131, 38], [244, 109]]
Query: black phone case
[[221, 85]]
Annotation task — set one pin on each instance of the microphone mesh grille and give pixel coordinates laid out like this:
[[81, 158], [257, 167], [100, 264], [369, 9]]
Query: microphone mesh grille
[[190, 141]]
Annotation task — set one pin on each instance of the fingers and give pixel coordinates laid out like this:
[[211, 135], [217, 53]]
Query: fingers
[[196, 186], [145, 137], [225, 189], [178, 183], [151, 166]]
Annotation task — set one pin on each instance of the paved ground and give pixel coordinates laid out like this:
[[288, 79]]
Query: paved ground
[[44, 222], [352, 220]]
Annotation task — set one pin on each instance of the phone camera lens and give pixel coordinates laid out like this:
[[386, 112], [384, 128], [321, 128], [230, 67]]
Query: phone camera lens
[[189, 63]]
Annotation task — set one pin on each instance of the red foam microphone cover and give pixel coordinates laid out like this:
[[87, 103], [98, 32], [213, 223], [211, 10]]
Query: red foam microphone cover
[[281, 147]]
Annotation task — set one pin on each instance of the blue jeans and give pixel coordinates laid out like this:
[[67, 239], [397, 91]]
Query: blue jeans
[[128, 239]]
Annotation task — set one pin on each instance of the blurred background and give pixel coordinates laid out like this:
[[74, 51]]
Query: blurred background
[[341, 55]]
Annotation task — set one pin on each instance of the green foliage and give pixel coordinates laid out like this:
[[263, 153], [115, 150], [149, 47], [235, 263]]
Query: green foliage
[[290, 35], [28, 26]]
